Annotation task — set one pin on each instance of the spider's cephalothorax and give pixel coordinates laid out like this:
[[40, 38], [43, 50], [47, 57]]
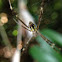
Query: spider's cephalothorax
[[32, 26]]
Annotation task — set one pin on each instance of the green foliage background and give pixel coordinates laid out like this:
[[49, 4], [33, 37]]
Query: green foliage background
[[52, 19]]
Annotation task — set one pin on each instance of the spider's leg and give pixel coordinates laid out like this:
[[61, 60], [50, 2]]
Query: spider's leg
[[21, 21], [21, 25], [40, 15], [26, 28], [25, 46], [49, 42], [16, 14]]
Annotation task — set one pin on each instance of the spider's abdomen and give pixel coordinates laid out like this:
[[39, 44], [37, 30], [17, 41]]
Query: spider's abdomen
[[32, 26]]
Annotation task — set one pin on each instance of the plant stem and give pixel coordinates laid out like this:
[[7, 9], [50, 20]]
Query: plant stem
[[4, 37]]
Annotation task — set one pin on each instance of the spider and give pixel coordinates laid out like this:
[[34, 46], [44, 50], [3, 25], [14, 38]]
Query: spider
[[32, 27]]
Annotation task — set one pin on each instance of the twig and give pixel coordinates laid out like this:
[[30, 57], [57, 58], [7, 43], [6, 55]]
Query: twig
[[5, 38], [40, 15]]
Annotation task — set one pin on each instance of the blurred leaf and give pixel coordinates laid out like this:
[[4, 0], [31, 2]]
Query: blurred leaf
[[58, 5], [1, 3], [53, 35], [54, 15], [44, 53], [15, 32], [44, 45], [14, 3], [42, 56], [35, 9]]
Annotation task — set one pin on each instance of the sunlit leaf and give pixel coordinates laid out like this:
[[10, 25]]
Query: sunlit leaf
[[15, 32]]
